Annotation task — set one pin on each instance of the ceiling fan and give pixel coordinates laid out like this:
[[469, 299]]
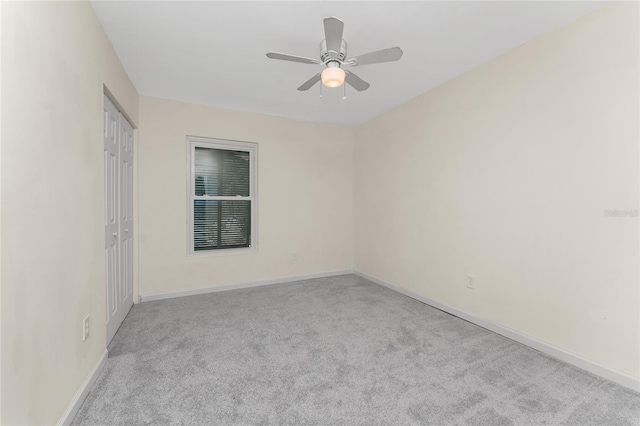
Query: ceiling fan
[[333, 55]]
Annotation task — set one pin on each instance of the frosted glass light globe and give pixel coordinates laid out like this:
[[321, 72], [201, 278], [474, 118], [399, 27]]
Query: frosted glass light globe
[[333, 76]]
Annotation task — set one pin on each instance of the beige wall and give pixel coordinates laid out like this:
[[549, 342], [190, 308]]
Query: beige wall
[[55, 60], [505, 173], [305, 197]]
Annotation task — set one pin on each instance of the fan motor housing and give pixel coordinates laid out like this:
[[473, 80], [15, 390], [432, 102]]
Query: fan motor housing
[[329, 56]]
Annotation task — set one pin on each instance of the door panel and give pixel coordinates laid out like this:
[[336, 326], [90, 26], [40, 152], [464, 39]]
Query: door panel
[[118, 254], [111, 219], [126, 216]]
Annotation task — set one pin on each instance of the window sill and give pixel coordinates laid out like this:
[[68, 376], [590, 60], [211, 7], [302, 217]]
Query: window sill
[[222, 252]]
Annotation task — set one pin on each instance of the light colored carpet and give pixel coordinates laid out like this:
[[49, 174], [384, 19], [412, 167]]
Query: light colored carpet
[[334, 351]]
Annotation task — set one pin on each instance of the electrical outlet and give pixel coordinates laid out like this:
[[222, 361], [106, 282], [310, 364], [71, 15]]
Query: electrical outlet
[[471, 284], [85, 328]]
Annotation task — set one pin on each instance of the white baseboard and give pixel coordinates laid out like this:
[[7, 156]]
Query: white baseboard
[[181, 293], [82, 393], [568, 357]]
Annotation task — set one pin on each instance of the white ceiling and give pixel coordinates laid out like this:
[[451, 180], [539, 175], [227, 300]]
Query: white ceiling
[[213, 53]]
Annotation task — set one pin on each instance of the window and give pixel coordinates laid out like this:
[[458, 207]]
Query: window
[[222, 196]]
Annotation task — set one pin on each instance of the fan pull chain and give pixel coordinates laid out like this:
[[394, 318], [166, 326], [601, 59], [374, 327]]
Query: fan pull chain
[[321, 88], [344, 96]]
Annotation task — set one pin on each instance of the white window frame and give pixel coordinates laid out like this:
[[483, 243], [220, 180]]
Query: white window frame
[[194, 142]]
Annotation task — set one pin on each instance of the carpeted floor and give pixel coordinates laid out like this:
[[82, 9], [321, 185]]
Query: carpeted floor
[[334, 351]]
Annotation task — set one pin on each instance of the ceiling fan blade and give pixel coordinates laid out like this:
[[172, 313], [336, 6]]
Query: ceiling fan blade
[[292, 58], [356, 82], [309, 83], [333, 28], [384, 55]]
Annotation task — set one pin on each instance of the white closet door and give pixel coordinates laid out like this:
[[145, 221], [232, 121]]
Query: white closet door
[[126, 212], [118, 253]]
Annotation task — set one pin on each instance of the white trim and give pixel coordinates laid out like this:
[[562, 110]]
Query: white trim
[[221, 252], [252, 149], [181, 293], [615, 376], [83, 392]]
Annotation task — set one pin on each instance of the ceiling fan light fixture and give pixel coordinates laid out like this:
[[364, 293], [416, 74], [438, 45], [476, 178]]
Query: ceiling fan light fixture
[[333, 54], [333, 76]]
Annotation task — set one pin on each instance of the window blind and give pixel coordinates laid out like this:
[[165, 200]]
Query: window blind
[[221, 223]]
